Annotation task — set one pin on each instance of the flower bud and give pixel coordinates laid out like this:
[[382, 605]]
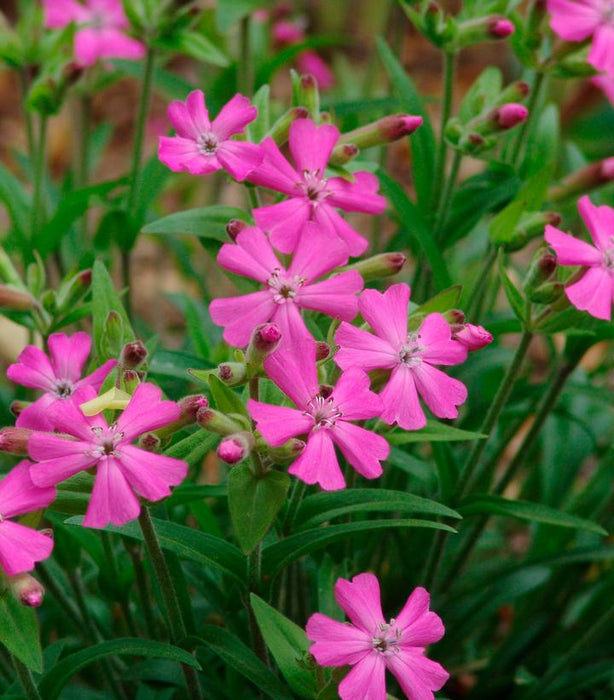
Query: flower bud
[[26, 589], [514, 92], [500, 28], [289, 450], [234, 228], [530, 226], [17, 407], [235, 448], [15, 440], [190, 405], [133, 354], [473, 337], [309, 95], [16, 299], [491, 28], [217, 422], [510, 115], [540, 270], [150, 442], [583, 180], [455, 317], [73, 290], [265, 340], [280, 130], [130, 380], [546, 293], [232, 373], [386, 130], [322, 351], [378, 266], [343, 153]]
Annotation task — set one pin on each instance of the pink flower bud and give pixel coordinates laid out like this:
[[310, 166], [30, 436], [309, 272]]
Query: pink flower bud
[[385, 130], [343, 153], [133, 354], [17, 407], [322, 351], [473, 337], [150, 442], [265, 340], [501, 28], [234, 228], [511, 114], [190, 406], [15, 440], [235, 448], [27, 590], [15, 299]]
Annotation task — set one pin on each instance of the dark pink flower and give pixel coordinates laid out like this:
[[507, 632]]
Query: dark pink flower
[[101, 29], [324, 415], [313, 196], [59, 375], [122, 469], [410, 356], [286, 291], [594, 291], [202, 146], [20, 546], [370, 644]]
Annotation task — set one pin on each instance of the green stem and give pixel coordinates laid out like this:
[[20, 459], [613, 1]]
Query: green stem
[[27, 681], [126, 259], [24, 87], [255, 578], [246, 71], [480, 284], [449, 65], [524, 129], [37, 213], [446, 199], [253, 197]]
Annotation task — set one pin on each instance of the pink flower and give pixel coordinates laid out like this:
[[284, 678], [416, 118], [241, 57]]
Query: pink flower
[[577, 20], [324, 415], [59, 375], [312, 195], [473, 337], [371, 645], [286, 291], [594, 292], [201, 146], [410, 356], [311, 63], [122, 470], [605, 83], [101, 33], [21, 547]]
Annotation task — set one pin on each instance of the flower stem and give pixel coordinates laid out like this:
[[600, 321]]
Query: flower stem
[[246, 72], [449, 66], [27, 681], [473, 302], [37, 213], [524, 129], [446, 198]]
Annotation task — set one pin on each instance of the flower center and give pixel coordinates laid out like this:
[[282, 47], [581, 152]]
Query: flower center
[[608, 255], [410, 353], [63, 388], [208, 143], [284, 288], [106, 441], [314, 186], [1, 518], [386, 638], [323, 411]]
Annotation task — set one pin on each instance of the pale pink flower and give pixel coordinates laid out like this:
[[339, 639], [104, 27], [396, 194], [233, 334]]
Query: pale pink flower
[[410, 356], [122, 469], [370, 644], [202, 146], [58, 375], [20, 546], [324, 414], [286, 291], [309, 62], [578, 20], [101, 29], [313, 196], [594, 291], [473, 337]]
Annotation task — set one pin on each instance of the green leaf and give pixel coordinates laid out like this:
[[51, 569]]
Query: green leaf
[[433, 432], [423, 141], [17, 203], [442, 302], [241, 658], [204, 222], [489, 504], [254, 502], [188, 544], [19, 631], [412, 221], [259, 128], [227, 12], [225, 398], [543, 142], [194, 447], [321, 507], [278, 555], [53, 682], [105, 299], [513, 295], [196, 46], [288, 644]]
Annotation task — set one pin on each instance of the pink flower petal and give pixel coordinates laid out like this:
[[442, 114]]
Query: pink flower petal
[[19, 494], [179, 154], [360, 599], [435, 333], [420, 627], [240, 315], [311, 145], [113, 43], [239, 158], [37, 415], [234, 116], [387, 313], [68, 418], [593, 293], [69, 354], [32, 369], [275, 173], [598, 220], [21, 548], [52, 471], [151, 475], [318, 463], [252, 256], [111, 10], [358, 348], [367, 679], [290, 322], [336, 643], [277, 424], [335, 297], [293, 369], [112, 500], [336, 226], [359, 196], [602, 49], [400, 399], [442, 394], [573, 20], [146, 411], [363, 449], [97, 377], [59, 13], [308, 261], [284, 221], [417, 675], [570, 250], [353, 397]]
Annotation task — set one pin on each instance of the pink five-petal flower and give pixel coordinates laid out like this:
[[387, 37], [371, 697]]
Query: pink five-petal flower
[[577, 20], [286, 291], [201, 146], [594, 291], [101, 33], [58, 375], [324, 416], [122, 469], [21, 547], [371, 645], [313, 196], [410, 356]]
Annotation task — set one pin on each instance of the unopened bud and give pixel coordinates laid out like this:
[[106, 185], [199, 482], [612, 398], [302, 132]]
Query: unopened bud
[[510, 115], [26, 589], [235, 448], [264, 341], [232, 373], [234, 228], [190, 405], [386, 130], [473, 337], [17, 407], [322, 351], [546, 293], [343, 153], [491, 28], [455, 317], [150, 442], [378, 266], [500, 28], [74, 289], [531, 226], [280, 130], [130, 380], [540, 270], [133, 354], [218, 422], [15, 440], [583, 180], [309, 95], [289, 450], [514, 92], [16, 299]]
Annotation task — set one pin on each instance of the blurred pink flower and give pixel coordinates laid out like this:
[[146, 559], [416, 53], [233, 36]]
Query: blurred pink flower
[[287, 291], [122, 469], [20, 546], [594, 291], [578, 20], [324, 415], [313, 196], [371, 645], [309, 62], [201, 146], [473, 337], [101, 29], [605, 83], [410, 356], [59, 375]]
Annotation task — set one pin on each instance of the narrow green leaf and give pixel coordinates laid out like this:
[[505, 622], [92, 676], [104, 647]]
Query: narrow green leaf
[[433, 432], [204, 222], [513, 295], [225, 398], [196, 46], [442, 302], [105, 299], [19, 631]]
